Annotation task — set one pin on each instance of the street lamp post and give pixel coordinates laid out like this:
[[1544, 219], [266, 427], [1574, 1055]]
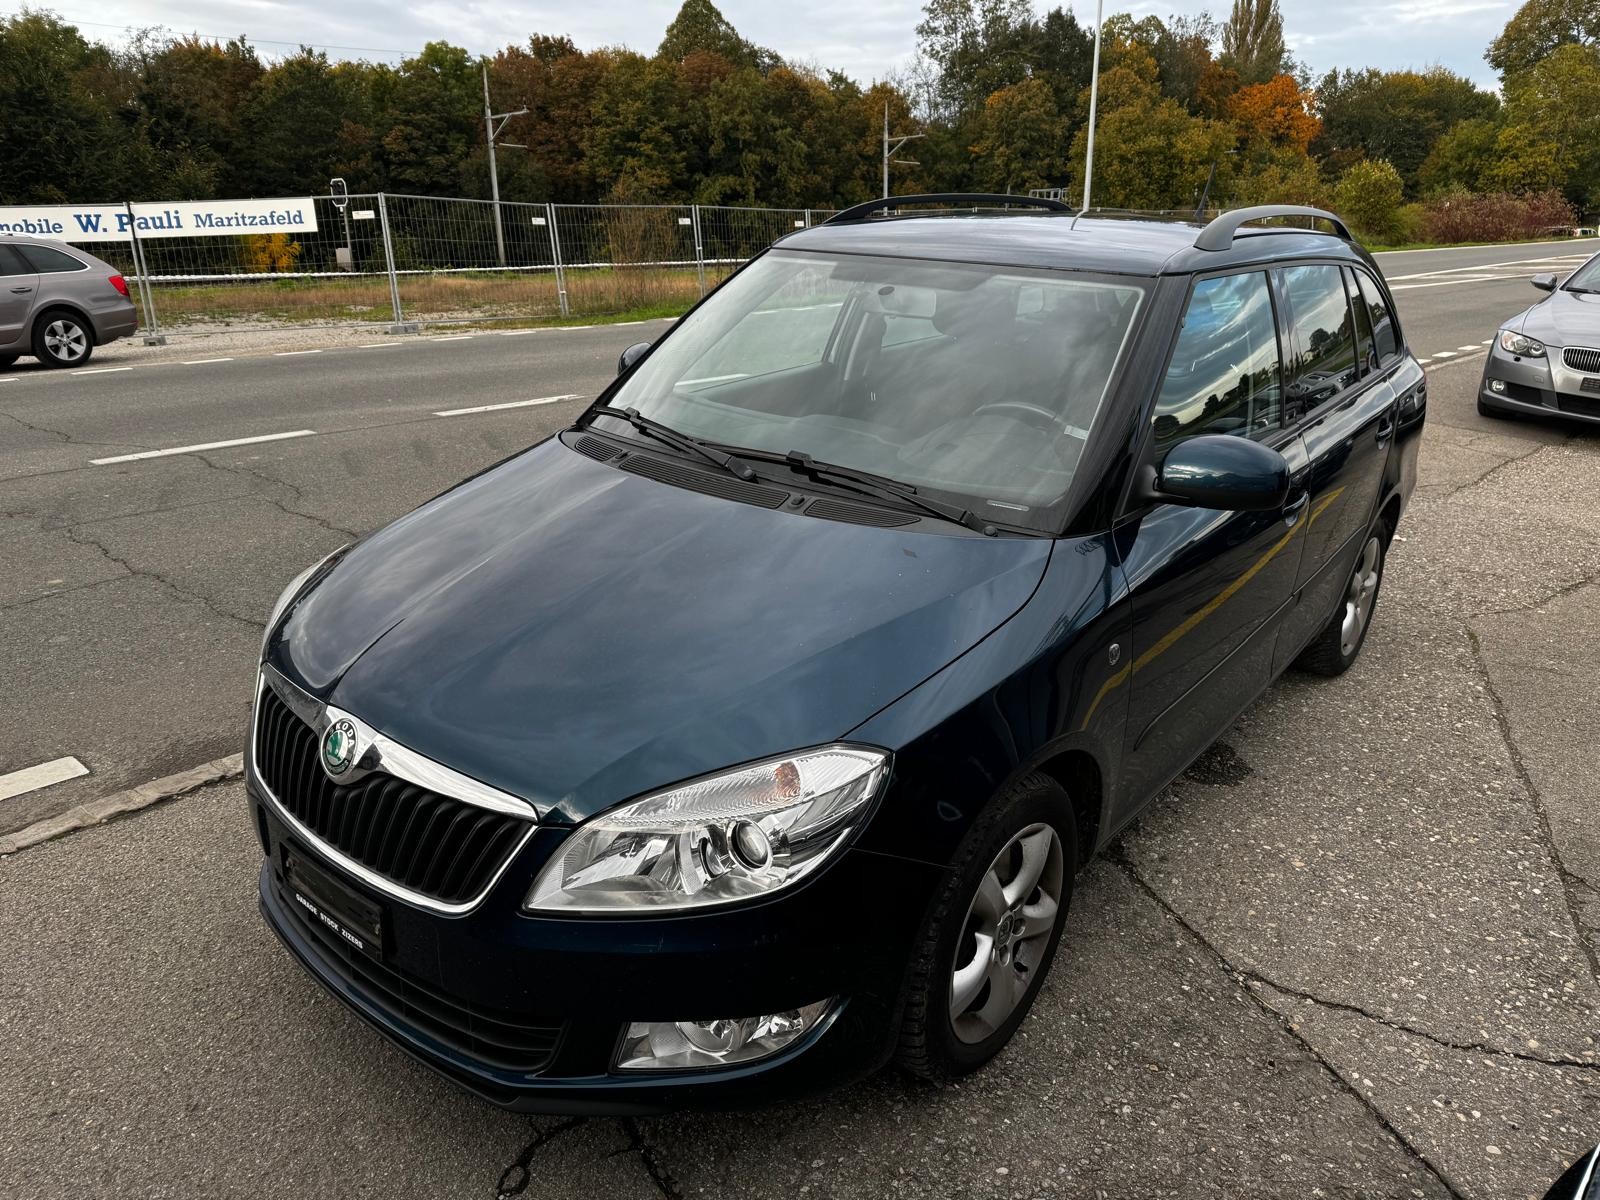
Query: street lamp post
[[492, 130], [1094, 97]]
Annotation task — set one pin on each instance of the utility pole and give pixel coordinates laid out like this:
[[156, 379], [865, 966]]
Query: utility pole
[[492, 131], [894, 148], [1094, 97]]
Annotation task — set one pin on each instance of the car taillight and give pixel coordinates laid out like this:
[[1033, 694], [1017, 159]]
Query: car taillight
[[121, 284]]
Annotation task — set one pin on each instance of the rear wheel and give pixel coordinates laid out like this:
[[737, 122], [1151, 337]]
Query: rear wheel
[[992, 934], [62, 339], [1338, 645]]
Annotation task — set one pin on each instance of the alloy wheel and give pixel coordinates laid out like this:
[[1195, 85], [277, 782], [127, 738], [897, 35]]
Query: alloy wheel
[[1358, 597], [66, 340], [1006, 932]]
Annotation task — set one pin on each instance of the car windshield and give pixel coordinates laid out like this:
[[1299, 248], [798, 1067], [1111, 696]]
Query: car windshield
[[1586, 278], [979, 382]]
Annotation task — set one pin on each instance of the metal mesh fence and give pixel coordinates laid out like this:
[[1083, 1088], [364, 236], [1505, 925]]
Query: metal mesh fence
[[400, 261]]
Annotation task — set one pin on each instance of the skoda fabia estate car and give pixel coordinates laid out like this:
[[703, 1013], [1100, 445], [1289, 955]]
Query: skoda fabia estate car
[[1546, 359], [750, 733], [58, 303]]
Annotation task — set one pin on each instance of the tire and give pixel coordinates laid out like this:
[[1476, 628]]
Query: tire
[[941, 1041], [1488, 410], [62, 339], [1338, 646]]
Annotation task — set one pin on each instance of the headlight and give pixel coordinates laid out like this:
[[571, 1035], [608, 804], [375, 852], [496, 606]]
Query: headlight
[[296, 585], [721, 839], [1516, 343]]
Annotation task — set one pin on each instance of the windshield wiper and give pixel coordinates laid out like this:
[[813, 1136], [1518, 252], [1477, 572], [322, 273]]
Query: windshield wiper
[[679, 441], [873, 485]]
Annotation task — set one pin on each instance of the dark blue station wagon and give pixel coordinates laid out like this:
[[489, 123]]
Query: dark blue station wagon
[[750, 733]]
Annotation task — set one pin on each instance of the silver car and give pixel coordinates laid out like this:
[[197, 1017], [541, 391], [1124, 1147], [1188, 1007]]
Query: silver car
[[1546, 359], [58, 302]]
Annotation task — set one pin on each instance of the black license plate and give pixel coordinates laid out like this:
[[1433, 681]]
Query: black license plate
[[323, 900], [1589, 385]]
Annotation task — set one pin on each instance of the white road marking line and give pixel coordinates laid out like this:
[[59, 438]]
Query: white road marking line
[[377, 345], [195, 362], [249, 441], [1423, 360], [1488, 341], [1508, 245], [1454, 359], [1515, 262], [1406, 287], [292, 353], [483, 408], [102, 370], [31, 779], [9, 379], [1444, 354], [453, 337], [1465, 349], [519, 332]]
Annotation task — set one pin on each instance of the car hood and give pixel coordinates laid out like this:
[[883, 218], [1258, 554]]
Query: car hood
[[575, 634], [1565, 319]]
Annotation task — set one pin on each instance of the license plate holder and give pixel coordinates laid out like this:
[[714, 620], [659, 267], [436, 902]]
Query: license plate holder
[[352, 919], [1589, 385]]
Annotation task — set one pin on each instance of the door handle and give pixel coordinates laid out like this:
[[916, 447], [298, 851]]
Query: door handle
[[1385, 428], [1293, 509], [22, 291]]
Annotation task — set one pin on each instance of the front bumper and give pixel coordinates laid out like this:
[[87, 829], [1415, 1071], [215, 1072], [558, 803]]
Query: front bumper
[[528, 1012], [1531, 385]]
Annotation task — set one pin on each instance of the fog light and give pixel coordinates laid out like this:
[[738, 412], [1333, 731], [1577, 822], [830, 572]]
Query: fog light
[[724, 1042], [1497, 385]]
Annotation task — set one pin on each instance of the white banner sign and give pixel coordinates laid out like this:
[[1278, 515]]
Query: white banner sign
[[186, 218]]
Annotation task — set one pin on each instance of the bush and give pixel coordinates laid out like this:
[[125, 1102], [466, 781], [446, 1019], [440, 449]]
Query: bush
[[1462, 216], [1369, 196]]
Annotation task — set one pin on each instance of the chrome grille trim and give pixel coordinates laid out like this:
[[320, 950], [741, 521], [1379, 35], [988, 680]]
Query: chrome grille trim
[[1581, 358], [381, 752]]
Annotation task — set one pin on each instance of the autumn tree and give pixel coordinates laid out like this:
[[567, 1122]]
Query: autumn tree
[[1274, 119], [1538, 28], [1020, 139], [1252, 41]]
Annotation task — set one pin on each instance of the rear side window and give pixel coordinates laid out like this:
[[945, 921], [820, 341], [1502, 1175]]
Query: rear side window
[[1224, 376], [1386, 336], [11, 263], [1324, 362], [49, 261]]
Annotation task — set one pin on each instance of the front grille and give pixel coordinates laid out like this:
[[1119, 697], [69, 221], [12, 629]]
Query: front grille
[[495, 1039], [430, 844], [1522, 392], [1582, 360], [1579, 406]]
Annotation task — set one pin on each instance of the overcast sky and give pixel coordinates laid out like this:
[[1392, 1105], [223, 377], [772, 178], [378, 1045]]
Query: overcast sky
[[866, 40]]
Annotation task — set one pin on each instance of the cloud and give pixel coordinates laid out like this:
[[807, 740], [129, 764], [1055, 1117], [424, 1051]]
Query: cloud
[[865, 41]]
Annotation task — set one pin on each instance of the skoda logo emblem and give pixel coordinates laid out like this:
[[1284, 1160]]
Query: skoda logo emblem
[[339, 748]]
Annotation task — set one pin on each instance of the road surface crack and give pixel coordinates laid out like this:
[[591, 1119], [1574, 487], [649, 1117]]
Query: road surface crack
[[295, 494], [651, 1158], [83, 539], [1119, 857], [1570, 881], [515, 1178], [66, 438]]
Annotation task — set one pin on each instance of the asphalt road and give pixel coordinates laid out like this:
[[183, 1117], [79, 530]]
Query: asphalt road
[[1353, 953]]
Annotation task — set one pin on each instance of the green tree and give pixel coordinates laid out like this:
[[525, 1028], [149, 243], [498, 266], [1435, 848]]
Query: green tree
[[1551, 136], [1369, 196], [60, 136], [1537, 28], [1020, 139], [700, 25], [1398, 116], [1461, 158], [292, 122], [1252, 41], [634, 141]]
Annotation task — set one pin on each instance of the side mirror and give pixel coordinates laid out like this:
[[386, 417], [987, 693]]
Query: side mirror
[[1222, 471], [632, 355], [1545, 283]]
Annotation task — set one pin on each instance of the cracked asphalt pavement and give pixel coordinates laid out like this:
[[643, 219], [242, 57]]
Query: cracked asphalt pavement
[[1351, 953]]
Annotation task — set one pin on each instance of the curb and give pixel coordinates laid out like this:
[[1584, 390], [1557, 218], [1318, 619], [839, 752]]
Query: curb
[[98, 812]]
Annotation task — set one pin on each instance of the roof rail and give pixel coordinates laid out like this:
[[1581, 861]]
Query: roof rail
[[860, 212], [1219, 234]]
